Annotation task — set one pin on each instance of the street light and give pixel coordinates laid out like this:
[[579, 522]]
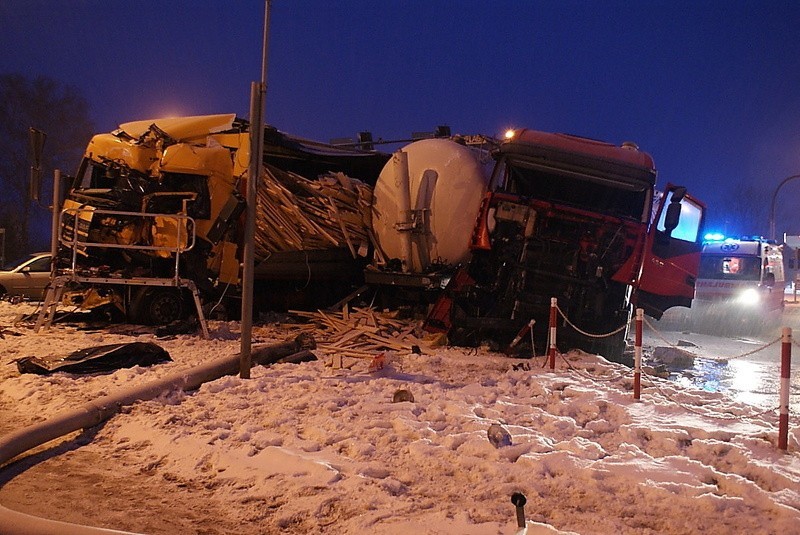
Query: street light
[[258, 93], [772, 206]]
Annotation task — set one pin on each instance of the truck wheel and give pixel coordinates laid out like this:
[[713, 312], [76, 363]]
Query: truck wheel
[[158, 307]]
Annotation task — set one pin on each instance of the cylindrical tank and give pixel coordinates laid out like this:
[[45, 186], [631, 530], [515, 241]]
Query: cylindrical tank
[[445, 187]]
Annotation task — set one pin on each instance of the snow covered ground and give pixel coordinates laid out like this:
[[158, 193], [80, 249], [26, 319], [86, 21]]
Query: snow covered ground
[[304, 448]]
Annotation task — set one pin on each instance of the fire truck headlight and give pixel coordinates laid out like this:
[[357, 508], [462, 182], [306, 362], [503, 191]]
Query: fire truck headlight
[[749, 297]]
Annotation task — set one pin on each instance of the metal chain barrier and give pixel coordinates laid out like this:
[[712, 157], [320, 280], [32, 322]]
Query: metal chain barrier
[[590, 335], [654, 381], [674, 346]]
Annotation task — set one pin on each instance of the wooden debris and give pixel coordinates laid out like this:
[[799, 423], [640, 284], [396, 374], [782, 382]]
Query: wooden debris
[[360, 332], [294, 213]]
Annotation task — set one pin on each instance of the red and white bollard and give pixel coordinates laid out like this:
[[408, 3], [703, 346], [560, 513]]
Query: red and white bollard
[[553, 315], [517, 339], [786, 360], [637, 355]]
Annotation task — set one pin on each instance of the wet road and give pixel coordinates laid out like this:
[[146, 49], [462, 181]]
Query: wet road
[[738, 366]]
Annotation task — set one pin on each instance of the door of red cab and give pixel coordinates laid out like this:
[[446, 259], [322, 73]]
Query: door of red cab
[[671, 258]]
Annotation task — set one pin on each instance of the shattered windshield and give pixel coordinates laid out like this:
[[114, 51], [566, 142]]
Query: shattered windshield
[[130, 189], [598, 194]]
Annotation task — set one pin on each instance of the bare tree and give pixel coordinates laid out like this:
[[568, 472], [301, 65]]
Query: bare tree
[[63, 114]]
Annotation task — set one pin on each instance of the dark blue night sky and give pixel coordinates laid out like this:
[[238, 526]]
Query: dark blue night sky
[[710, 89]]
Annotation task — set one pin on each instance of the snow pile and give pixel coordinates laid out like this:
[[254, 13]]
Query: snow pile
[[307, 448]]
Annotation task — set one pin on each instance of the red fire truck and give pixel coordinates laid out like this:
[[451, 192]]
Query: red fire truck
[[579, 220]]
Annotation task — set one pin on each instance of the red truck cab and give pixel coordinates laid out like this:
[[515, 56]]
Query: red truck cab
[[579, 220]]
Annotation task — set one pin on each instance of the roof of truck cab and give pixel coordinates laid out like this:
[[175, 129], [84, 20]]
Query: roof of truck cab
[[182, 128], [588, 153], [306, 157]]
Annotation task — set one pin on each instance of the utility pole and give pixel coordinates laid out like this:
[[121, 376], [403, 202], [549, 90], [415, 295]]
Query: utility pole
[[258, 91], [772, 206]]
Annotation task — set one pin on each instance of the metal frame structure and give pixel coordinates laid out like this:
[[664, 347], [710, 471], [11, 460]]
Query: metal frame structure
[[77, 240]]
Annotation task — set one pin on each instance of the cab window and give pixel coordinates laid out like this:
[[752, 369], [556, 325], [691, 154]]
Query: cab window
[[691, 218], [730, 268]]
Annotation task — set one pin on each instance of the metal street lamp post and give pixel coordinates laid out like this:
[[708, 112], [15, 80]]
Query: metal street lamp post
[[772, 206], [258, 93]]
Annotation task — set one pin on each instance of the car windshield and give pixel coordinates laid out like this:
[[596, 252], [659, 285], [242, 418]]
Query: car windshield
[[10, 266], [730, 267]]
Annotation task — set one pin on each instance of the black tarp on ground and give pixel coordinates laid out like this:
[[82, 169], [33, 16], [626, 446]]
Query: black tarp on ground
[[97, 359]]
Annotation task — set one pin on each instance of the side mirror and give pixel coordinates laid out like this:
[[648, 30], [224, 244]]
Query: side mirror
[[36, 138], [672, 216], [678, 194]]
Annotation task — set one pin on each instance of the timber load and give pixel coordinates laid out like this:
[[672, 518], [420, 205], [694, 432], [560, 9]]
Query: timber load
[[294, 213]]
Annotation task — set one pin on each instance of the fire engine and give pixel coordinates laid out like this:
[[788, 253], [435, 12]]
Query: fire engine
[[578, 220]]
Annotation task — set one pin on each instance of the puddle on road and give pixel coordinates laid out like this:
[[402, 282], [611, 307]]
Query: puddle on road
[[730, 366]]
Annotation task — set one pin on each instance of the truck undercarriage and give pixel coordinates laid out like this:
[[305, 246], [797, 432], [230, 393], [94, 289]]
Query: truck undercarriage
[[563, 254]]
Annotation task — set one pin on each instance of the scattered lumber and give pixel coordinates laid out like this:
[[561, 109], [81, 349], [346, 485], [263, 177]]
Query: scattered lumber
[[294, 213], [360, 332]]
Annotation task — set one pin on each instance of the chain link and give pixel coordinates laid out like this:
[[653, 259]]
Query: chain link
[[590, 335], [747, 354]]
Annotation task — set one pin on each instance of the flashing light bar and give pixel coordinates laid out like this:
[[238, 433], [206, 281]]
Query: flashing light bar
[[714, 236], [718, 236]]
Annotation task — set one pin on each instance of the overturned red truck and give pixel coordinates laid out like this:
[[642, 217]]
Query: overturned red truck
[[578, 220]]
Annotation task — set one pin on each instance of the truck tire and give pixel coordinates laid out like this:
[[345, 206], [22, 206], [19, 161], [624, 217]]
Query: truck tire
[[159, 306]]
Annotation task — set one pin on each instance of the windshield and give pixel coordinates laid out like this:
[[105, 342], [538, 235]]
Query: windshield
[[10, 266], [730, 267], [597, 194]]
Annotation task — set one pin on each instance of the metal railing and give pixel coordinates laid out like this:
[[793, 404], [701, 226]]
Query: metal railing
[[76, 236]]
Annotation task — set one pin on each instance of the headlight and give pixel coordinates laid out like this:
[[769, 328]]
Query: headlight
[[491, 220], [749, 297]]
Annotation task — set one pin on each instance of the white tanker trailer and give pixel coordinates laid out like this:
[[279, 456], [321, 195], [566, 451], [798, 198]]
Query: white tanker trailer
[[425, 204]]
